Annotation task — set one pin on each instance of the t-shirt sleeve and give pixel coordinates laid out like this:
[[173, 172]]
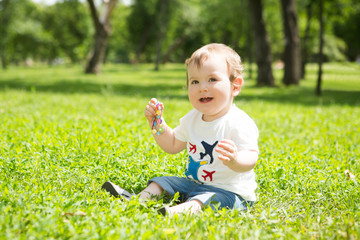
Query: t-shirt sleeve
[[180, 131], [245, 135]]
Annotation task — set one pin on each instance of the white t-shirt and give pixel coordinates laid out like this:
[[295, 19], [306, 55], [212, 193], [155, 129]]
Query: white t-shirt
[[203, 164]]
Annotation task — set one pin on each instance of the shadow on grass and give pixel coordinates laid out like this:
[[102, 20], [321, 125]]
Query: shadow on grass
[[305, 96], [82, 87], [295, 95]]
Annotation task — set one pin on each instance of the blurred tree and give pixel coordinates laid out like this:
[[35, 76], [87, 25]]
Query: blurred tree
[[31, 42], [119, 47], [224, 24], [273, 18], [292, 53], [153, 28], [184, 30], [60, 31], [306, 36], [334, 47], [318, 89], [162, 19], [5, 15], [102, 33], [69, 24], [262, 46], [347, 27], [141, 28], [8, 14], [23, 36], [227, 26]]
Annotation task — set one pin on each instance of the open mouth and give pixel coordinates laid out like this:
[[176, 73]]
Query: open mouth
[[206, 99]]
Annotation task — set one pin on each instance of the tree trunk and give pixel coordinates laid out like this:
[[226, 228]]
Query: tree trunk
[[262, 46], [161, 29], [141, 44], [3, 59], [6, 17], [249, 48], [318, 90], [176, 44], [305, 44], [102, 33], [250, 56], [292, 53]]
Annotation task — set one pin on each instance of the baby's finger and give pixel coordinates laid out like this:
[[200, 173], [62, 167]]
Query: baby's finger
[[223, 152], [156, 104], [153, 100], [149, 110], [162, 107], [227, 147], [159, 108], [152, 105], [224, 159], [228, 141]]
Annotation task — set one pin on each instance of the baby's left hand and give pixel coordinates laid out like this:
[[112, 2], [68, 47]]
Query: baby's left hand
[[227, 151]]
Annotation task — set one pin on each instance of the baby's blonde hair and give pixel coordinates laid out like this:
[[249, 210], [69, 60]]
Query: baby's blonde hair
[[233, 60]]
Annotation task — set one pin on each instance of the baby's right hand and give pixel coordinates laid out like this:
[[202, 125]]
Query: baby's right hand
[[150, 109]]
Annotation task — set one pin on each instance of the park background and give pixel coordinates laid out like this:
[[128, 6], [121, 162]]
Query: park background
[[76, 76]]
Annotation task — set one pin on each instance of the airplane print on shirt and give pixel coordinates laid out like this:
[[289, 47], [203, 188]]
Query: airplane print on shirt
[[193, 166], [208, 174], [208, 150], [192, 148]]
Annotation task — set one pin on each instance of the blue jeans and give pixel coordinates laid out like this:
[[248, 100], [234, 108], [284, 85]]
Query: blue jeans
[[216, 198]]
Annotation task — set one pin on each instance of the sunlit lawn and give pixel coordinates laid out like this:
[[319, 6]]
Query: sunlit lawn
[[63, 133]]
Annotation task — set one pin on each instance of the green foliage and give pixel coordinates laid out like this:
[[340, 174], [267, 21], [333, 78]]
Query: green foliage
[[348, 28], [119, 43], [64, 30], [69, 23], [64, 133], [44, 33], [141, 25], [224, 23], [274, 26], [22, 34]]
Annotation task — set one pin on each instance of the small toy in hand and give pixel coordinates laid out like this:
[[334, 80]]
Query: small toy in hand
[[157, 120]]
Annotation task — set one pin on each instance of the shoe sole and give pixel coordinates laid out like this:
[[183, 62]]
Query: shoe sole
[[110, 187], [162, 211]]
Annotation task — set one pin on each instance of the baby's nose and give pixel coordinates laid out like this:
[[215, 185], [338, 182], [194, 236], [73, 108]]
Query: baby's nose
[[204, 87]]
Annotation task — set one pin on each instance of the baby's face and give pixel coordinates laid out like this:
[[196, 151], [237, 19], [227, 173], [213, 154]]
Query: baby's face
[[210, 90]]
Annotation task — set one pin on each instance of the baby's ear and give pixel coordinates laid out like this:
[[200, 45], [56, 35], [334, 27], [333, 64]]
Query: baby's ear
[[236, 85]]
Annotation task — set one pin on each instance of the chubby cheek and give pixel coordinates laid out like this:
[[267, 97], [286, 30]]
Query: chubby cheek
[[192, 97]]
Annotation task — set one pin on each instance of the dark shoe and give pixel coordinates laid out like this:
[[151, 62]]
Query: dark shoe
[[116, 191], [163, 211]]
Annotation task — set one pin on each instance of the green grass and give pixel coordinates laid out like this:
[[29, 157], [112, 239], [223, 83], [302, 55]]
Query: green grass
[[63, 133]]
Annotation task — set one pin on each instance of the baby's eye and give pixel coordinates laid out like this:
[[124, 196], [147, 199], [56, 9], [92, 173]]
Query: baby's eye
[[212, 80], [194, 82]]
